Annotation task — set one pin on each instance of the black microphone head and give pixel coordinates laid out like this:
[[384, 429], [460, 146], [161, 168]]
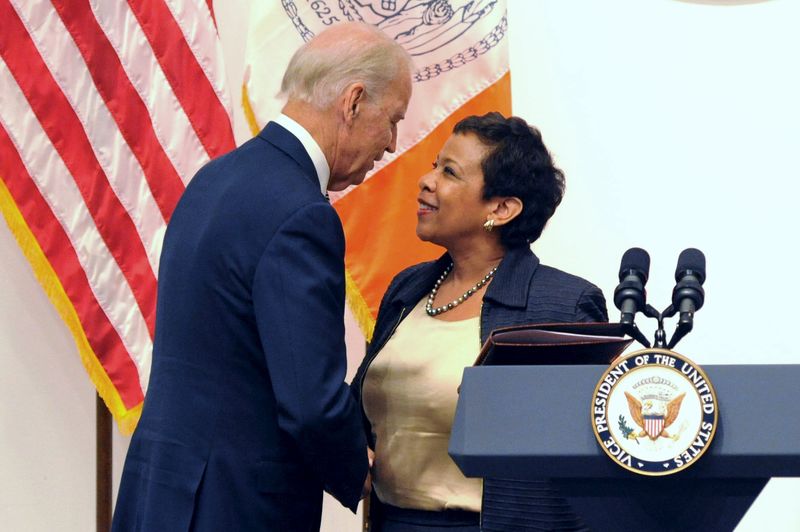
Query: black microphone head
[[637, 260], [691, 262]]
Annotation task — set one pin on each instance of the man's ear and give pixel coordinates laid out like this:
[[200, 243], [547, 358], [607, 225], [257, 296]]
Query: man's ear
[[353, 98], [505, 209]]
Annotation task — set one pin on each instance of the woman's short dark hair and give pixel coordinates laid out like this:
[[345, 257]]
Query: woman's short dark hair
[[517, 165]]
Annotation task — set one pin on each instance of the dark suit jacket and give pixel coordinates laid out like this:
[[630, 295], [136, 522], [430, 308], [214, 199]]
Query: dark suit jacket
[[522, 291], [247, 417]]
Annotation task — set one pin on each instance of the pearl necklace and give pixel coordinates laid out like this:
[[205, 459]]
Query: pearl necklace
[[429, 308]]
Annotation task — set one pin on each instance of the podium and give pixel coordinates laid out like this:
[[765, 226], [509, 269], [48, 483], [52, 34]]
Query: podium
[[534, 422]]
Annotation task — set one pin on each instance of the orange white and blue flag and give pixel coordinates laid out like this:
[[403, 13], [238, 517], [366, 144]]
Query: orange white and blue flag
[[460, 50]]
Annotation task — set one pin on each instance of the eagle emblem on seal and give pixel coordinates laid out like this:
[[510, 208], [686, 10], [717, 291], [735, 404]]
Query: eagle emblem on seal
[[654, 415]]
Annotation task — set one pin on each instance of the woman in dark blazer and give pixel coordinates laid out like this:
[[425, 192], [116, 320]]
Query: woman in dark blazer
[[489, 195]]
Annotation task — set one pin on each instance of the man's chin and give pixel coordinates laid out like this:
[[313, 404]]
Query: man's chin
[[341, 184]]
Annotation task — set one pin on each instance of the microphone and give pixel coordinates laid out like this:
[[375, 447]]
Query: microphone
[[630, 295], [688, 295]]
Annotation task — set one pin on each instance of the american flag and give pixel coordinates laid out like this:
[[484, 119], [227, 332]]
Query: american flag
[[107, 109]]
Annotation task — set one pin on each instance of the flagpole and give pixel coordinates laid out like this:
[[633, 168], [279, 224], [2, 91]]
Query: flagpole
[[365, 501], [103, 466]]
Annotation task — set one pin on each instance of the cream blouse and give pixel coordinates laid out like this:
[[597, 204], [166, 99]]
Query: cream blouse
[[410, 394]]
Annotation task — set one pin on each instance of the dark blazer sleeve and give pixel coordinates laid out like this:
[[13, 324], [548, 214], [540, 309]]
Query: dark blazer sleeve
[[591, 306], [298, 296]]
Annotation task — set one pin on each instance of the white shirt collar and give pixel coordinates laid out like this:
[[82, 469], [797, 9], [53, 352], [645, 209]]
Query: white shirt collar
[[312, 148]]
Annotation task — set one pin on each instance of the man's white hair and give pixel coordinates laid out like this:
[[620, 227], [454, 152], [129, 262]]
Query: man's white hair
[[318, 74]]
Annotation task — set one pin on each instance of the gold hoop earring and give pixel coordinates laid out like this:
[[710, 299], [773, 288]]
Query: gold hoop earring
[[489, 225]]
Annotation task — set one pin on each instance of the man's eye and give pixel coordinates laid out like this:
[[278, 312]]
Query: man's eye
[[435, 165], [448, 170]]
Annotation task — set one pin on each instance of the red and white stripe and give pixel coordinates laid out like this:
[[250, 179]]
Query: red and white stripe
[[654, 425], [107, 109]]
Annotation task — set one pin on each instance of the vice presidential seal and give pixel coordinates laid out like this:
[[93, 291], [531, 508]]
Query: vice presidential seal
[[654, 412]]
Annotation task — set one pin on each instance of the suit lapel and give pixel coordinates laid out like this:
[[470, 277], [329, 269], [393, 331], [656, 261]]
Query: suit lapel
[[279, 137]]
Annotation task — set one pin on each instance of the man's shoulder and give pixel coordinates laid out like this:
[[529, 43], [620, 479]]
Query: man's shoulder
[[256, 152], [246, 196], [258, 167]]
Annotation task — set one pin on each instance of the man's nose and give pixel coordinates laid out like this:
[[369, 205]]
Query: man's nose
[[393, 143]]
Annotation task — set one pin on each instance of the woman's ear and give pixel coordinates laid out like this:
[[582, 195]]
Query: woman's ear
[[506, 209]]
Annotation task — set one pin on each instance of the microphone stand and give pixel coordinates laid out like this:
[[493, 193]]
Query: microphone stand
[[630, 328], [685, 325], [660, 340]]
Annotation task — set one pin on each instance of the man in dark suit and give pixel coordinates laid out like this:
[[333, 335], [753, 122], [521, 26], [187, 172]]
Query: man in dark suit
[[247, 417]]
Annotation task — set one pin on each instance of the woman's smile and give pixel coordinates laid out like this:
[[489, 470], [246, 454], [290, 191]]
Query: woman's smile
[[425, 208]]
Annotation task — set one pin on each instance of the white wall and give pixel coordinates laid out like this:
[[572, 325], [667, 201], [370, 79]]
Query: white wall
[[676, 126], [674, 123]]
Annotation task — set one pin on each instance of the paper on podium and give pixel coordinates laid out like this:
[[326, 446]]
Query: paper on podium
[[553, 344]]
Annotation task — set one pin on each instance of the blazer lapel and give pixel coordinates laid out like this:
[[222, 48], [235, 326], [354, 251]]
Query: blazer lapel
[[421, 283], [509, 286], [279, 137]]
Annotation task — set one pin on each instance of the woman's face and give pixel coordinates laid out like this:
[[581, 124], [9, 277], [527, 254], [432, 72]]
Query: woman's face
[[451, 205]]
